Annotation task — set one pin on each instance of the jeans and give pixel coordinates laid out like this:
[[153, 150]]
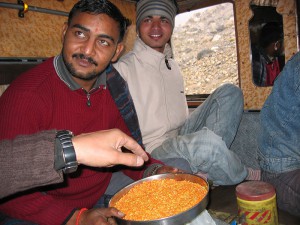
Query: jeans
[[6, 220], [119, 180], [287, 186], [205, 138], [278, 139]]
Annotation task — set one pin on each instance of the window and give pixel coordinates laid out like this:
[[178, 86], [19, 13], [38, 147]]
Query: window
[[204, 45]]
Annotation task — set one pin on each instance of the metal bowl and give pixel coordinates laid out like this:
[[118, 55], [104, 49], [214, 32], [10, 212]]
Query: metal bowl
[[178, 219]]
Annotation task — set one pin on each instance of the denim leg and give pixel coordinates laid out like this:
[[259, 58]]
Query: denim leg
[[179, 163], [287, 187], [6, 220], [206, 152], [221, 113], [207, 134]]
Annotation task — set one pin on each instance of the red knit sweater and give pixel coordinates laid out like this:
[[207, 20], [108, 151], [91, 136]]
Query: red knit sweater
[[39, 100]]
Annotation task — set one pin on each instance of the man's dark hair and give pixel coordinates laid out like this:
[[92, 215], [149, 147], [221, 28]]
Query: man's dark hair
[[270, 33], [96, 7]]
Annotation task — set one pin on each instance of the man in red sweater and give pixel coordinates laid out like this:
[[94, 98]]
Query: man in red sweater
[[74, 91]]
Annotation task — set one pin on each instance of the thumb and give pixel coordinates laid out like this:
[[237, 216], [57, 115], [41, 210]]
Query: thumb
[[130, 159]]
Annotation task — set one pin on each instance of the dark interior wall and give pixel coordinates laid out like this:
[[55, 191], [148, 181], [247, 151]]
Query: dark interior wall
[[9, 70]]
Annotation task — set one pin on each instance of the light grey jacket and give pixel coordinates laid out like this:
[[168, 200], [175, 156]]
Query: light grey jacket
[[157, 92]]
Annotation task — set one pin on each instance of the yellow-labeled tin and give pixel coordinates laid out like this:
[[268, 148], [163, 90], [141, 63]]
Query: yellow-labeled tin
[[256, 203]]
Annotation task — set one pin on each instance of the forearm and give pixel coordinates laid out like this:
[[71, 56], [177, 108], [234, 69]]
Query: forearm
[[27, 162]]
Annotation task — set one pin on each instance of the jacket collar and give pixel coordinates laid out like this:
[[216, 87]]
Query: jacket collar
[[139, 45]]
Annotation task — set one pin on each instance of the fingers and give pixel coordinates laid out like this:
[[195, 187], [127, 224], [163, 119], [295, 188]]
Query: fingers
[[135, 148], [130, 159], [111, 213], [116, 212], [111, 221], [101, 216]]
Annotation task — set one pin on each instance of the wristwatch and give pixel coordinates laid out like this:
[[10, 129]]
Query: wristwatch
[[65, 158]]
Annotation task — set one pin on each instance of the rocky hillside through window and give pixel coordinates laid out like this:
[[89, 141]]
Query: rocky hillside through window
[[205, 48]]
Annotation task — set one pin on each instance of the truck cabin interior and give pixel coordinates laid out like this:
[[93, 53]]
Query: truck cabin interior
[[28, 37]]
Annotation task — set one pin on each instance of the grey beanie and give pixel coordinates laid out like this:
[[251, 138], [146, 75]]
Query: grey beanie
[[165, 8]]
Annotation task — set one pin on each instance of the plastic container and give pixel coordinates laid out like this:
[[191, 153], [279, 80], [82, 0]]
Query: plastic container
[[256, 203]]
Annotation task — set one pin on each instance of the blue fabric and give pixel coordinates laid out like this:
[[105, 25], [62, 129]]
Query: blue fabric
[[206, 136], [6, 220], [287, 186], [279, 136]]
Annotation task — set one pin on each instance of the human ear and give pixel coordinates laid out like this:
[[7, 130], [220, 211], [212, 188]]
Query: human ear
[[119, 50], [276, 45], [64, 30]]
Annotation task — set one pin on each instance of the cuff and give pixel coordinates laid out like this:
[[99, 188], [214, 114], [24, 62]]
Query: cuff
[[59, 162]]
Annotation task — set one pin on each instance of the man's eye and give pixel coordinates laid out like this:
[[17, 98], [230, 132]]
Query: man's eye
[[165, 21], [103, 43], [79, 34], [147, 20]]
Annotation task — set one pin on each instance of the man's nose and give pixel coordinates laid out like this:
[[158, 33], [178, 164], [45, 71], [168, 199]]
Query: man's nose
[[88, 47], [156, 24]]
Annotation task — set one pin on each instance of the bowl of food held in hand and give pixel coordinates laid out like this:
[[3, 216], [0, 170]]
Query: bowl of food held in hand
[[165, 199]]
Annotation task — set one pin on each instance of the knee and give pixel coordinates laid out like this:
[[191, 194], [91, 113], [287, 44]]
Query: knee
[[234, 91], [234, 96], [212, 146]]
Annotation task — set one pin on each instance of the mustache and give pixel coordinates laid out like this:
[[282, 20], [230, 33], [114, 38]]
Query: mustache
[[82, 56]]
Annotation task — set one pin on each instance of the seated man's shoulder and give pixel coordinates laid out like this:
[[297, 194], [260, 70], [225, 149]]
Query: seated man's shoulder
[[125, 63], [129, 56], [295, 58], [34, 78]]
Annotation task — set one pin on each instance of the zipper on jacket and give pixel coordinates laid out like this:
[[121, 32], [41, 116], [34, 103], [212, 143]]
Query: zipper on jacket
[[88, 96], [88, 103], [88, 93], [167, 63]]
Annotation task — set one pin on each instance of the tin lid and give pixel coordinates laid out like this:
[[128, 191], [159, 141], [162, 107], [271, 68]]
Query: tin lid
[[255, 190]]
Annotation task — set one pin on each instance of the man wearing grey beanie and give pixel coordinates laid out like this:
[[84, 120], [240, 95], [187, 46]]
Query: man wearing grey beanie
[[156, 84], [167, 9]]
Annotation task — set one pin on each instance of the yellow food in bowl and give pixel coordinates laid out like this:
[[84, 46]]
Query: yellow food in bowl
[[156, 199]]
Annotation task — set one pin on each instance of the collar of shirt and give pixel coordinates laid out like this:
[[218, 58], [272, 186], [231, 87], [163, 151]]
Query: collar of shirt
[[66, 76], [139, 45]]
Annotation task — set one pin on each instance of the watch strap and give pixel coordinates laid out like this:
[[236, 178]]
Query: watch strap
[[68, 151]]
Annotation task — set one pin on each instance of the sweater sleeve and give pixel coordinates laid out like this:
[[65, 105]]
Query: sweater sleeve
[[27, 162]]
